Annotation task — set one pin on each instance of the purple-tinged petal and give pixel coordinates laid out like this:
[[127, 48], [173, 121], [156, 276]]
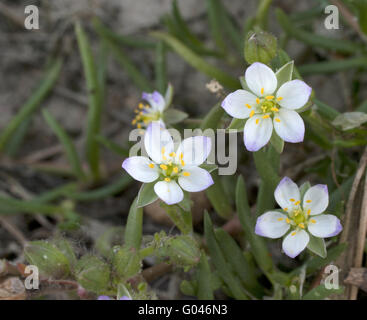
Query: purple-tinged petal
[[316, 199], [194, 150], [295, 242], [260, 79], [141, 169], [257, 132], [324, 226], [287, 194], [239, 104], [158, 142], [103, 298], [155, 99], [293, 94], [195, 179], [272, 225], [169, 192], [289, 125]]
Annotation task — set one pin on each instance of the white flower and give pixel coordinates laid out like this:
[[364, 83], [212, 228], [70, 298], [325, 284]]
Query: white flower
[[268, 107], [173, 170], [300, 217], [145, 114]]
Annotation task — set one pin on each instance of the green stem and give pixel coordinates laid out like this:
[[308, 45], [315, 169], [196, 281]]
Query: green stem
[[182, 219]]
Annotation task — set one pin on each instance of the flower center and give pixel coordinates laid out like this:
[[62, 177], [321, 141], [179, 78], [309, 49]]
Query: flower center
[[267, 106], [145, 115], [298, 218]]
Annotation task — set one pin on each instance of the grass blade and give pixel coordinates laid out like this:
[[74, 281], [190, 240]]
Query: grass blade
[[95, 101], [31, 105], [69, 147]]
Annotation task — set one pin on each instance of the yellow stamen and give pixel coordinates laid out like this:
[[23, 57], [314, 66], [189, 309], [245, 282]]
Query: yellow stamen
[[277, 119], [280, 219], [181, 155], [136, 111], [257, 100], [274, 109], [133, 122], [151, 165], [163, 167], [186, 174], [287, 220], [293, 233], [269, 97], [280, 98], [182, 163], [262, 90], [309, 211], [313, 221], [175, 169], [167, 179], [141, 106], [138, 126], [292, 200], [248, 106], [308, 201], [301, 225], [252, 113], [297, 203], [172, 154], [285, 209], [266, 116], [257, 121], [163, 150]]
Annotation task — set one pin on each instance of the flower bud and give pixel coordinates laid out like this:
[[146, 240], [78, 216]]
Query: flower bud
[[260, 46], [92, 273], [182, 250], [48, 258], [126, 262]]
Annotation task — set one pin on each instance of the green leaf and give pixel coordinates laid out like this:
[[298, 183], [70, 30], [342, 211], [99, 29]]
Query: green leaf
[[204, 289], [134, 227], [196, 61], [180, 217], [285, 73], [350, 120], [126, 262], [123, 152], [321, 292], [112, 236], [218, 198], [168, 95], [258, 244], [95, 100], [64, 138], [186, 203], [32, 103], [220, 262], [277, 142], [173, 116], [146, 195], [303, 188], [214, 11], [317, 246], [237, 124]]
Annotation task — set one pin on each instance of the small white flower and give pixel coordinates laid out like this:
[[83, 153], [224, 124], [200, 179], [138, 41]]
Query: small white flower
[[145, 114], [268, 107], [173, 170], [300, 217]]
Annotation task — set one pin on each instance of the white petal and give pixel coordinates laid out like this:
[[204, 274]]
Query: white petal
[[198, 180], [319, 197], [138, 168], [156, 138], [155, 100], [295, 242], [237, 104], [294, 94], [261, 79], [286, 194], [324, 226], [194, 150], [271, 224], [257, 135], [291, 127], [169, 192]]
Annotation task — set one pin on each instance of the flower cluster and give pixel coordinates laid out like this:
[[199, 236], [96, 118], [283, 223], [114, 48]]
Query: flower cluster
[[299, 217], [173, 169], [266, 106]]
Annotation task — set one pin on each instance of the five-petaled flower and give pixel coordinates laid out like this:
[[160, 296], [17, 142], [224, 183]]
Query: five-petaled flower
[[145, 113], [300, 217], [174, 169], [268, 106]]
